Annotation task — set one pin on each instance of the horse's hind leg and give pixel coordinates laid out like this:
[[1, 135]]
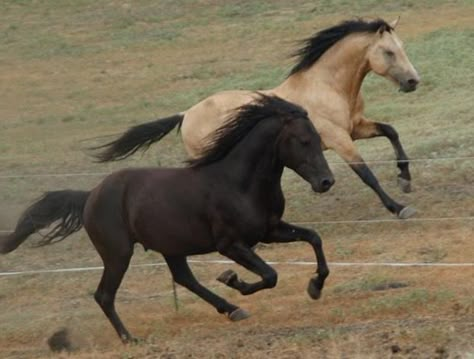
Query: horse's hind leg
[[116, 251], [182, 275], [370, 129]]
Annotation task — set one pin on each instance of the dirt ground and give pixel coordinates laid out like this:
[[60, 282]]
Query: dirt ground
[[375, 312]]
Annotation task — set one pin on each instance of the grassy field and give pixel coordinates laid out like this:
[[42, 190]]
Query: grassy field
[[72, 72]]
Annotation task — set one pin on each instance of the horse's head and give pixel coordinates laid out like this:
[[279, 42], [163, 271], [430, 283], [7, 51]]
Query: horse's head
[[300, 149], [388, 59]]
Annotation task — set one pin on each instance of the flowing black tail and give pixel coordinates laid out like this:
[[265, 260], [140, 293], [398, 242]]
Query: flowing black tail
[[63, 206], [138, 137]]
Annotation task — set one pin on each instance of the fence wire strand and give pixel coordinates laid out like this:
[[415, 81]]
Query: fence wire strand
[[229, 262], [98, 174], [326, 222]]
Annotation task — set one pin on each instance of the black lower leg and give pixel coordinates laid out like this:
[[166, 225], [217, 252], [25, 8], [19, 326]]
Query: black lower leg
[[105, 294], [402, 159], [369, 179], [244, 256], [182, 275], [286, 233], [317, 283]]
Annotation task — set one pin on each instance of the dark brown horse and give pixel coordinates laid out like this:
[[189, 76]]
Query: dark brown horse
[[227, 200]]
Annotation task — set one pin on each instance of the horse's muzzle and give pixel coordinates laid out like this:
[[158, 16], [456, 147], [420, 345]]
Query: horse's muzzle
[[409, 85], [323, 185]]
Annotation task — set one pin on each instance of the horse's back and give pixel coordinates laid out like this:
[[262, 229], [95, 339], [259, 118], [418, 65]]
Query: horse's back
[[201, 120]]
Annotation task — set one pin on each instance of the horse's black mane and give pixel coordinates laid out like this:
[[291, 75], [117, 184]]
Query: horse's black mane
[[314, 47], [241, 121]]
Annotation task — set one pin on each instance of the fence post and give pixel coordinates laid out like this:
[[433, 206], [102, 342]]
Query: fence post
[[175, 295]]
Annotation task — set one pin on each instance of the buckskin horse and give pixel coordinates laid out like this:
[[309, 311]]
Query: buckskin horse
[[326, 81], [227, 200]]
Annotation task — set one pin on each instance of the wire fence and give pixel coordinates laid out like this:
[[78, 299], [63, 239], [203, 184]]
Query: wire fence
[[325, 222], [98, 174], [364, 221], [388, 220], [229, 262]]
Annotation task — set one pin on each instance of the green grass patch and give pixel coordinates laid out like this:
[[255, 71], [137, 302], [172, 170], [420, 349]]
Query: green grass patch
[[408, 301], [372, 282], [360, 8], [243, 9]]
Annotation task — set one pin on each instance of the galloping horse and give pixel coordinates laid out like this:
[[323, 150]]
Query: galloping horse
[[326, 82], [227, 200]]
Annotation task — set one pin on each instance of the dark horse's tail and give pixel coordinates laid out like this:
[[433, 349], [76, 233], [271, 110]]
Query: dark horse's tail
[[138, 137], [64, 207]]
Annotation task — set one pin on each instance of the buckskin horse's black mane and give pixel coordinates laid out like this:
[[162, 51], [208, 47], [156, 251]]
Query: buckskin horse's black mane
[[315, 46]]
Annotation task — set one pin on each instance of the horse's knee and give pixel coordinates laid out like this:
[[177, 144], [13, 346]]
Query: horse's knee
[[315, 239], [270, 279], [388, 131], [323, 272], [181, 280], [103, 299]]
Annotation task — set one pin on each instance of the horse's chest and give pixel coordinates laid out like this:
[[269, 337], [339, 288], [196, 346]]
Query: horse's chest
[[269, 208], [251, 220], [327, 112]]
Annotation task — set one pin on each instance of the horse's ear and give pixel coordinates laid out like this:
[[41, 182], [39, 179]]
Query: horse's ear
[[382, 29], [394, 23], [388, 27]]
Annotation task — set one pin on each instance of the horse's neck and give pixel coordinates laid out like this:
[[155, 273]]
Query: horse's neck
[[343, 68], [252, 164]]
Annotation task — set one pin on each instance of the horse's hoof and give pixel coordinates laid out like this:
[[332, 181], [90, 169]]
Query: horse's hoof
[[404, 184], [6, 245], [238, 314], [3, 248], [227, 277], [313, 291], [406, 212], [129, 340]]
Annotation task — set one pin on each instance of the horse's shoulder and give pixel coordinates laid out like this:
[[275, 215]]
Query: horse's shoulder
[[326, 113]]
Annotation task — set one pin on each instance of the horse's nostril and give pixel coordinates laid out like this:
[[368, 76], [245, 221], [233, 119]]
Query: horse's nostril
[[326, 183], [413, 82]]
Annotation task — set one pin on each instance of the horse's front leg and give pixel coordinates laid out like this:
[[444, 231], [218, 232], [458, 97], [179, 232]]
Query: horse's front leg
[[370, 129], [342, 143], [246, 257], [285, 233]]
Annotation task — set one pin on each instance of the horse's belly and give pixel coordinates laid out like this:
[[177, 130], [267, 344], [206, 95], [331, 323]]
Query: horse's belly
[[167, 212], [173, 237]]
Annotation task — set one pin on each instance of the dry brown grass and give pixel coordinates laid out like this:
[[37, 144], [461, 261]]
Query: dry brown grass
[[354, 318]]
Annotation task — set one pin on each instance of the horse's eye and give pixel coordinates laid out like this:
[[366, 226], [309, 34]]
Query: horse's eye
[[390, 53]]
